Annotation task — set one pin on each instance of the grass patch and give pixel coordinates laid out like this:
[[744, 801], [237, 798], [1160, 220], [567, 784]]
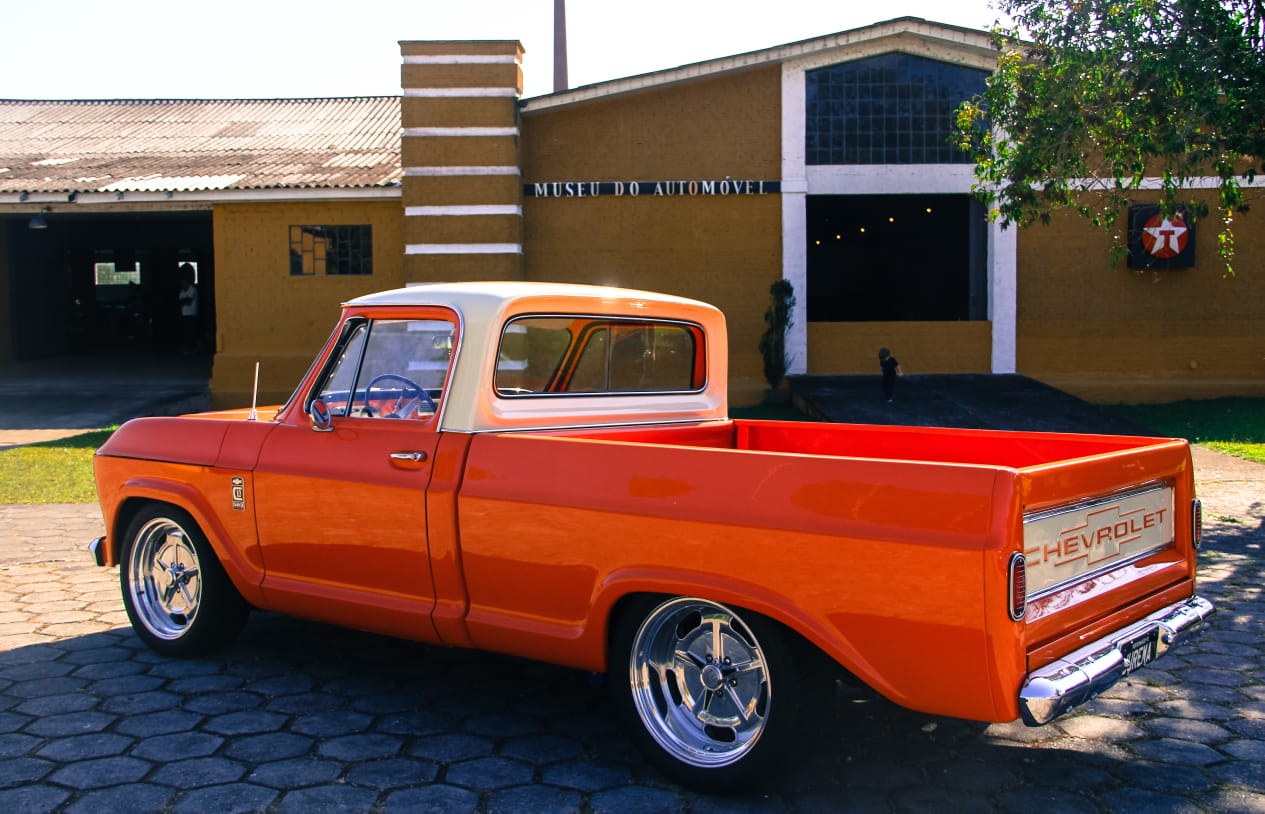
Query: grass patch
[[51, 471], [1235, 426]]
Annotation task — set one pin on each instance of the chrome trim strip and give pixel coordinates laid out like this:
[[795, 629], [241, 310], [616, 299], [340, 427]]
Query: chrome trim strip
[[1088, 575], [1077, 677], [1066, 508]]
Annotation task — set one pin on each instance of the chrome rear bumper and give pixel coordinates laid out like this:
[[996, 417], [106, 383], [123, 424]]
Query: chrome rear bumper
[[1079, 676]]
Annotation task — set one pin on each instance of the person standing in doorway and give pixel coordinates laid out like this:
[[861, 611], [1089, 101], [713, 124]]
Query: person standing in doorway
[[188, 298], [891, 370]]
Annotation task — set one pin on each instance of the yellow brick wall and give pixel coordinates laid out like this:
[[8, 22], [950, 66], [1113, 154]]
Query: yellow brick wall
[[263, 313], [850, 348], [723, 250], [1111, 333]]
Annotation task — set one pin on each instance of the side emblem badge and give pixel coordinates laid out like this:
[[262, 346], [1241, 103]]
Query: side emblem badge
[[239, 493]]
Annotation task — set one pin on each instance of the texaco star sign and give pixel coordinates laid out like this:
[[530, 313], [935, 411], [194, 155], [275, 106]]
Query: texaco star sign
[[1165, 237]]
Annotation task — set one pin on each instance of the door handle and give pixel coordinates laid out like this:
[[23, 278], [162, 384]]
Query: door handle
[[407, 460]]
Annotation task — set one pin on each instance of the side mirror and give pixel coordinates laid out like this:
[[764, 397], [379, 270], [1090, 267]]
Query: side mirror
[[322, 419]]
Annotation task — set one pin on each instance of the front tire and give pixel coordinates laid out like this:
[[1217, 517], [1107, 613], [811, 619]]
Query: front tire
[[177, 596], [709, 692]]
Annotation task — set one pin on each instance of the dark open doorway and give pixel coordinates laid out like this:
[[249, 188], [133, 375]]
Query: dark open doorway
[[106, 282], [887, 258]]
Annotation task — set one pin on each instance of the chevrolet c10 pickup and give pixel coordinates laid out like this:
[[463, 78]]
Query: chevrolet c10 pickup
[[549, 471]]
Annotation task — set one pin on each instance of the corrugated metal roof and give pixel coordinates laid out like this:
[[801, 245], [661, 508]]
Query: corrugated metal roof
[[190, 145]]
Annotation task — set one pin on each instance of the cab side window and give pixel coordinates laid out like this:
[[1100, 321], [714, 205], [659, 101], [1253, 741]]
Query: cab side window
[[390, 368]]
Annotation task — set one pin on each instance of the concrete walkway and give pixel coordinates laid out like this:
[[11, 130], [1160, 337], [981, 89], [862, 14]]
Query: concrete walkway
[[51, 399]]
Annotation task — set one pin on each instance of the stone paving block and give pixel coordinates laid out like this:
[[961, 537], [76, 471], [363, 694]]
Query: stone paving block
[[1245, 749], [450, 748], [57, 704], [101, 772], [230, 798], [272, 746], [393, 774], [533, 800], [1045, 801], [71, 723], [295, 773], [219, 703], [135, 797], [16, 744], [586, 775], [1188, 730], [331, 724], [23, 770], [542, 749], [177, 746], [32, 799], [199, 771], [489, 773], [639, 800], [1146, 801], [327, 800], [245, 723], [139, 703], [84, 747], [355, 748], [1097, 726], [159, 723], [1177, 752], [436, 799]]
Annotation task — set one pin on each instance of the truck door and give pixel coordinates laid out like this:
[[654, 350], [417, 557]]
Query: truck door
[[341, 484]]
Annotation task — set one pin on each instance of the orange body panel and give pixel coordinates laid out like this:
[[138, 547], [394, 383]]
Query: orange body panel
[[886, 547]]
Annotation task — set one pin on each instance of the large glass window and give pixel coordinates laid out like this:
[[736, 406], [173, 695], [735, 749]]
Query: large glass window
[[889, 109]]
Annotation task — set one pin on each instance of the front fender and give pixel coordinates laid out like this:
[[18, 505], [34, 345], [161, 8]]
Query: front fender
[[234, 540]]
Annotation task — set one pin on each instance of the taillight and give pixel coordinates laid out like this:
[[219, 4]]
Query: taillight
[[1196, 522], [1018, 586]]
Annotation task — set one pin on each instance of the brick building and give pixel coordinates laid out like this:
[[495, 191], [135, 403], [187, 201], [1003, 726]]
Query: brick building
[[826, 162]]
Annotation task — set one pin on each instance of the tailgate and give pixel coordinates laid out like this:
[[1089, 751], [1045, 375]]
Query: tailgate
[[1108, 540]]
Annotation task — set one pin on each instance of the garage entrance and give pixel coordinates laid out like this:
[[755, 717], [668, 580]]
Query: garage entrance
[[87, 283]]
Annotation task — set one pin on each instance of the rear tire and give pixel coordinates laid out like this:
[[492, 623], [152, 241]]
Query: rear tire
[[177, 595], [708, 692]]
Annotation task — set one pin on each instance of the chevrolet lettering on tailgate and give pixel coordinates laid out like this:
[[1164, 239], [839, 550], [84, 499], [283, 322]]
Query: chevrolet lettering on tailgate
[[1076, 542]]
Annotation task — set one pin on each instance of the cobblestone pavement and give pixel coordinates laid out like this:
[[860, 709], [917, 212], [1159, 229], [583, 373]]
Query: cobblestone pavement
[[307, 718]]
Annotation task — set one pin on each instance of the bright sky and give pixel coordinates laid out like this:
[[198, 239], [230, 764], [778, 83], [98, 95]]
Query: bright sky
[[164, 49]]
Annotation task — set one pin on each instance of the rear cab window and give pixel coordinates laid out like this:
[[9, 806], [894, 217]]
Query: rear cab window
[[553, 356]]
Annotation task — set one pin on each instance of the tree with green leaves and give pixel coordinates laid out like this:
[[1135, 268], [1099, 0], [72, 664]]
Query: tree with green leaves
[[1092, 97]]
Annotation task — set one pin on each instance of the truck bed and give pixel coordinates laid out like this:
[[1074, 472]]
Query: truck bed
[[1011, 450]]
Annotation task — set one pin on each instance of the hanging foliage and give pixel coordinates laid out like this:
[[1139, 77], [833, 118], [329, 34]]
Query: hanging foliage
[[1096, 96]]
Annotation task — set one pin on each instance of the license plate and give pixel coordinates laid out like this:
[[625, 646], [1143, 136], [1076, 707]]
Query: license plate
[[1140, 650]]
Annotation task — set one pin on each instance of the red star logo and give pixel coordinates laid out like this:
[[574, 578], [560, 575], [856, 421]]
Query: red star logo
[[1165, 237]]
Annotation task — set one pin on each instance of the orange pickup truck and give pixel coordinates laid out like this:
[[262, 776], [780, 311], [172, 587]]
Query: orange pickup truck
[[550, 471]]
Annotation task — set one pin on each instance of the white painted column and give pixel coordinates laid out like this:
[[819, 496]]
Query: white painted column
[[1003, 295], [795, 214]]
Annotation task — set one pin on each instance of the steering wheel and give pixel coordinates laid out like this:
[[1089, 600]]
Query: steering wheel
[[409, 393]]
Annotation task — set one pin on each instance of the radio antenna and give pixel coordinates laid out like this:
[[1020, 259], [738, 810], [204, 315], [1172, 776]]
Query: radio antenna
[[254, 396]]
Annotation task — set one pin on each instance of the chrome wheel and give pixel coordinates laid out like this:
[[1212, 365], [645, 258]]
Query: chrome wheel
[[165, 578], [700, 682]]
